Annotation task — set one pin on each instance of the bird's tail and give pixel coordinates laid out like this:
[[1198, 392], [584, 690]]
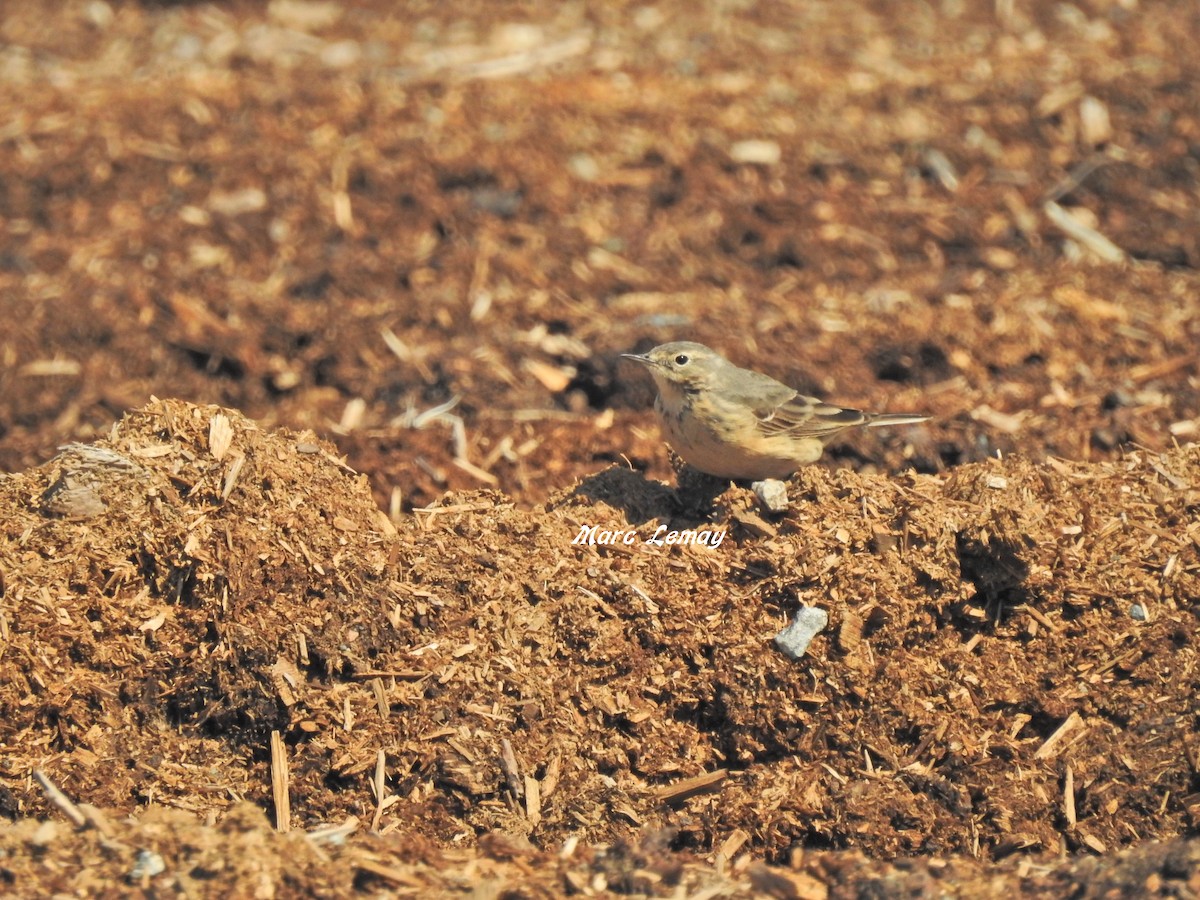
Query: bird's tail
[[883, 419]]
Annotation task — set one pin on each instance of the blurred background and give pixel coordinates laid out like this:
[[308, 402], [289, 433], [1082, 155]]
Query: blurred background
[[427, 230]]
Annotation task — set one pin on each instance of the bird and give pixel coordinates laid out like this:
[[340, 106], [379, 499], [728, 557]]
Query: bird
[[740, 424]]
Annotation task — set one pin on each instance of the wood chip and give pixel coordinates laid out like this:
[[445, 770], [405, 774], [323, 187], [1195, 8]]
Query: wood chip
[[1069, 797], [533, 801], [1051, 745], [280, 788], [512, 771], [231, 476], [555, 379], [220, 436], [691, 787]]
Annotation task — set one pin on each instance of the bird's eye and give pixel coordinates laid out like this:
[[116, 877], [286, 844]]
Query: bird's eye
[[681, 359]]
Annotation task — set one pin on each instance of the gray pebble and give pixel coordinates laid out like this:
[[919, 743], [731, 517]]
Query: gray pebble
[[772, 494], [808, 623]]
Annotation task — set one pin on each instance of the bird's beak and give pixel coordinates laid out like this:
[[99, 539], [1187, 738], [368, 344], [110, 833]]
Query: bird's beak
[[644, 360]]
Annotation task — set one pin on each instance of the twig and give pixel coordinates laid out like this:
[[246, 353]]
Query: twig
[[97, 820], [334, 834], [399, 674], [729, 847], [1190, 755], [475, 472], [459, 507], [1089, 237], [404, 353], [390, 873], [380, 785], [1069, 797], [415, 420], [1041, 619], [64, 803], [1050, 747], [691, 787], [1077, 176], [381, 701]]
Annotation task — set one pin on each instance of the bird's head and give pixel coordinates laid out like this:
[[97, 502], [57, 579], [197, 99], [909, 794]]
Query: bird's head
[[681, 366]]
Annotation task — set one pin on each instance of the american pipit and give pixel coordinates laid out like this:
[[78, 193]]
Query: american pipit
[[739, 424]]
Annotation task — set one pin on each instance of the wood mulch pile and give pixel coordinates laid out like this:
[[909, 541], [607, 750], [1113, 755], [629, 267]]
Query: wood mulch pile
[[322, 621], [1010, 662]]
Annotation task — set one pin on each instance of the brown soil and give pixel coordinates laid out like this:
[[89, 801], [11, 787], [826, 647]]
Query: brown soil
[[338, 219]]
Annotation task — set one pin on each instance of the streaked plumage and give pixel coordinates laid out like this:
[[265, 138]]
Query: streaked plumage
[[740, 424]]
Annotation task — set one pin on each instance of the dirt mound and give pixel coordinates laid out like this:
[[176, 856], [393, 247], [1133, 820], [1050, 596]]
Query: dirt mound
[[165, 853], [1009, 663]]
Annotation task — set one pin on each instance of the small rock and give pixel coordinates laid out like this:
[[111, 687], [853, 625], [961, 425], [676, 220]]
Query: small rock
[[147, 864], [772, 494], [808, 623], [1138, 612], [89, 475]]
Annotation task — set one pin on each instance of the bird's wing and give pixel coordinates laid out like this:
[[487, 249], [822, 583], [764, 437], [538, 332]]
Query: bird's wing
[[781, 410], [802, 416]]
